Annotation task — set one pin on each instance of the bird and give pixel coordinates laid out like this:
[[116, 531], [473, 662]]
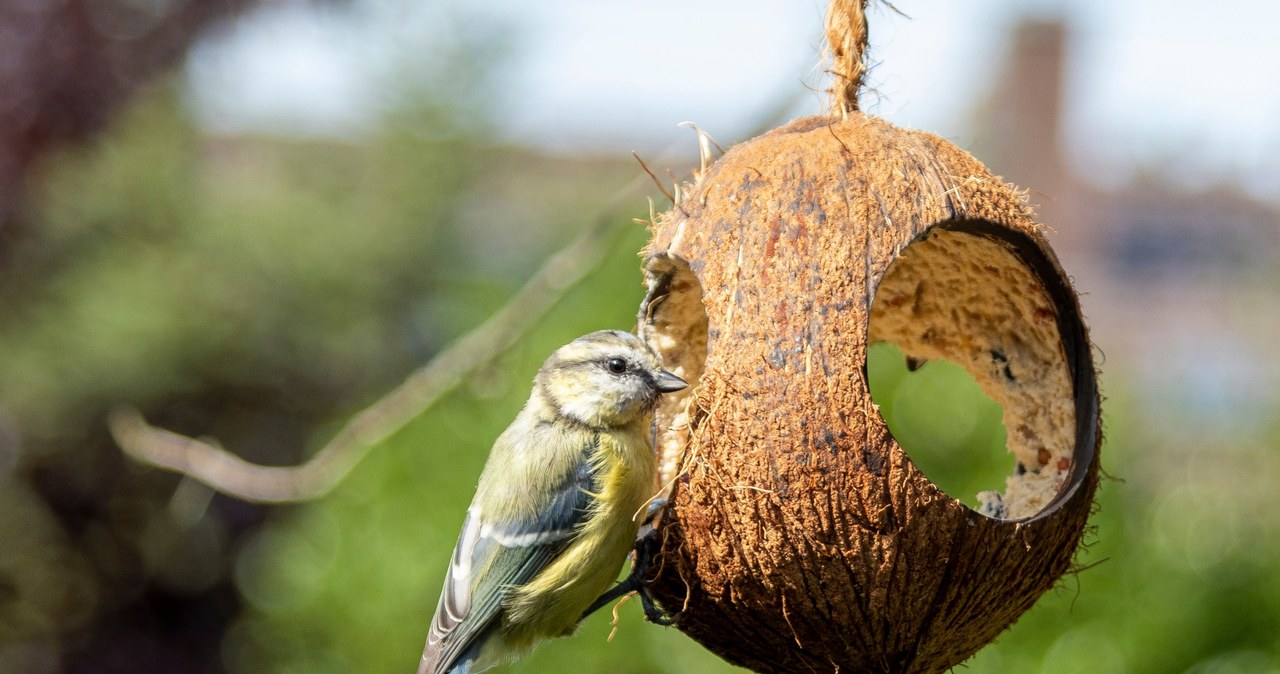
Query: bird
[[557, 507]]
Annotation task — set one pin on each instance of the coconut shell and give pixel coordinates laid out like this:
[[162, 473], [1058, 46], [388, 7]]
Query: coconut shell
[[798, 535]]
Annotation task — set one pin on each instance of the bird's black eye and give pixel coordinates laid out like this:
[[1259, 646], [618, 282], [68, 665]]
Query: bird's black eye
[[616, 365]]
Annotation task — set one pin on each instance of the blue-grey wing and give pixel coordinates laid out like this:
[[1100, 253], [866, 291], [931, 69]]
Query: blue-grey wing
[[491, 558]]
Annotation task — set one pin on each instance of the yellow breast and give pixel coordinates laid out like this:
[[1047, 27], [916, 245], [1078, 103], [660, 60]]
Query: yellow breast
[[551, 603]]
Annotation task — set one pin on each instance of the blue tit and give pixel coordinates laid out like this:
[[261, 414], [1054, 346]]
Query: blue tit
[[557, 507]]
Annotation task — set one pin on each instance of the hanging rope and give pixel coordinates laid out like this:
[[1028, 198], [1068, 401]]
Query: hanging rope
[[846, 30]]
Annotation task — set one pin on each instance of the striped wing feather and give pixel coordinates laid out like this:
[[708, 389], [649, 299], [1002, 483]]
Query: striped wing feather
[[490, 558]]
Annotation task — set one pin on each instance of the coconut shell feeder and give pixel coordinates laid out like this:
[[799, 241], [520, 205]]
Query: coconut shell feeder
[[798, 535]]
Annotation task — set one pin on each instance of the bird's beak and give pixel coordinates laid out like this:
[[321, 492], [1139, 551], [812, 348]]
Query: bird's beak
[[667, 382]]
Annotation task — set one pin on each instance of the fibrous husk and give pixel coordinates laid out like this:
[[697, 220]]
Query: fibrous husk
[[799, 536]]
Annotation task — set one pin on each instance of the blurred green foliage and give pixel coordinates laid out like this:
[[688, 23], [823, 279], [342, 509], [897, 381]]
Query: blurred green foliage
[[259, 290], [172, 250], [246, 288]]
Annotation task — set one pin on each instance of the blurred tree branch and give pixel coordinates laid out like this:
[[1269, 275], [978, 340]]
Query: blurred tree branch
[[229, 474], [232, 475]]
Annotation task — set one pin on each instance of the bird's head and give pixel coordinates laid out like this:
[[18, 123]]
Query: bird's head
[[605, 379]]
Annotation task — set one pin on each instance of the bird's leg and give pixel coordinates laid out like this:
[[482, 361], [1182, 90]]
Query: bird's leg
[[646, 548]]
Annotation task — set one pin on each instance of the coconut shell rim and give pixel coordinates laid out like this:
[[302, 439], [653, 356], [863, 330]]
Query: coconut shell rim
[[1073, 336]]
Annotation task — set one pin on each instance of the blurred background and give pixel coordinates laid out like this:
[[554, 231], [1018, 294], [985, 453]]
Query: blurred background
[[251, 218]]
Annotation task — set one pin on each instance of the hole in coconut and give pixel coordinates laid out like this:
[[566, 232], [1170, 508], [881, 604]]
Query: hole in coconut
[[942, 419], [966, 293], [673, 321]]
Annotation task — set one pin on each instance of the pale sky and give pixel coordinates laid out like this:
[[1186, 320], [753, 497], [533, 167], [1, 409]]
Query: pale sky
[[1191, 88]]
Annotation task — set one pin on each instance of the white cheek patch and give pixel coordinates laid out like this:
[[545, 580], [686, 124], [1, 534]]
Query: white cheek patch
[[584, 408]]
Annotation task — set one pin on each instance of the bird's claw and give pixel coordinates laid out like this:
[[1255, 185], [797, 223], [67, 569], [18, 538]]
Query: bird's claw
[[655, 507], [646, 548]]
